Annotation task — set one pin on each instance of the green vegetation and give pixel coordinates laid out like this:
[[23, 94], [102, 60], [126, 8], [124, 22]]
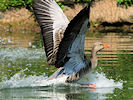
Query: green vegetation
[[80, 1], [8, 4], [61, 5], [125, 2]]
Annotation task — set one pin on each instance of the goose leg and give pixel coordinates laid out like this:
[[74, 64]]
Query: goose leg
[[72, 78]]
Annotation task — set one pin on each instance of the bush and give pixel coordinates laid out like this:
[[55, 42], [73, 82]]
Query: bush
[[7, 4], [125, 2]]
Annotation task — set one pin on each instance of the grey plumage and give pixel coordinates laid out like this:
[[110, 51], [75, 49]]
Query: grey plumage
[[64, 41]]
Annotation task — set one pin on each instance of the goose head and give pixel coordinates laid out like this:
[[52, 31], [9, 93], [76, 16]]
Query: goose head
[[98, 46]]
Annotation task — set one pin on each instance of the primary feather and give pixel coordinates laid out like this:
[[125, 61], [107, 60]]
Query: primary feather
[[53, 23]]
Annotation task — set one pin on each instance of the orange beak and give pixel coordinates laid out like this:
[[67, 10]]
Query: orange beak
[[106, 46]]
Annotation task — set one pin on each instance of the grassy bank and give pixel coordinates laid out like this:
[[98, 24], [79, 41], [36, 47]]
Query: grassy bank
[[105, 14], [17, 20]]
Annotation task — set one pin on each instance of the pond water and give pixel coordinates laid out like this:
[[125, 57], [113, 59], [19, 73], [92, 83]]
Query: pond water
[[24, 70]]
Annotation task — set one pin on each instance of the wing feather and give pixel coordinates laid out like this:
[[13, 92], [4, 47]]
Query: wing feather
[[53, 23], [74, 65], [72, 44]]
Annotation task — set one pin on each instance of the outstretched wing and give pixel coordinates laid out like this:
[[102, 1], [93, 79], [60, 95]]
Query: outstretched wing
[[53, 23], [72, 44]]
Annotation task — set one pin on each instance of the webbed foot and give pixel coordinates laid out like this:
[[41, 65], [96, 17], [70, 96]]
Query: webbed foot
[[92, 85]]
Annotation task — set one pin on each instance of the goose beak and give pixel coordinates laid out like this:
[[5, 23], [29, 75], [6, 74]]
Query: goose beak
[[106, 46]]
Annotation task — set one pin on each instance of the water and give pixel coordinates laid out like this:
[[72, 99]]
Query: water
[[24, 70]]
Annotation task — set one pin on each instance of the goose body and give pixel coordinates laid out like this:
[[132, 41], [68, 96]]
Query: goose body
[[64, 40]]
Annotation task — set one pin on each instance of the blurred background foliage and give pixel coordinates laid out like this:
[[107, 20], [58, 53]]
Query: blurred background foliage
[[8, 4]]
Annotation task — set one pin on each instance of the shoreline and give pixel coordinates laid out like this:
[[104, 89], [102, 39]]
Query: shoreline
[[114, 19]]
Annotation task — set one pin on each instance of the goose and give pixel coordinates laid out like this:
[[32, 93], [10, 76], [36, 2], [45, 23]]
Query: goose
[[64, 40]]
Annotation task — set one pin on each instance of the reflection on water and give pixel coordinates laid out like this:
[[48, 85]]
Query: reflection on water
[[23, 70], [55, 93], [16, 39]]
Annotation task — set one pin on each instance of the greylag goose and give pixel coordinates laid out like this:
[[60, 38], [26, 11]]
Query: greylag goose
[[64, 40]]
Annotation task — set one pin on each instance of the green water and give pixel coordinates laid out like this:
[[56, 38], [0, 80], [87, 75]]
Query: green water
[[23, 62]]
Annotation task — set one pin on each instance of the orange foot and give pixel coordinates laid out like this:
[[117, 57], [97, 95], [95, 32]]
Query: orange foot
[[92, 89], [92, 85]]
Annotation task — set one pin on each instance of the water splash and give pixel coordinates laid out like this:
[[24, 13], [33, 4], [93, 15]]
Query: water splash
[[57, 81], [100, 80], [21, 80]]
